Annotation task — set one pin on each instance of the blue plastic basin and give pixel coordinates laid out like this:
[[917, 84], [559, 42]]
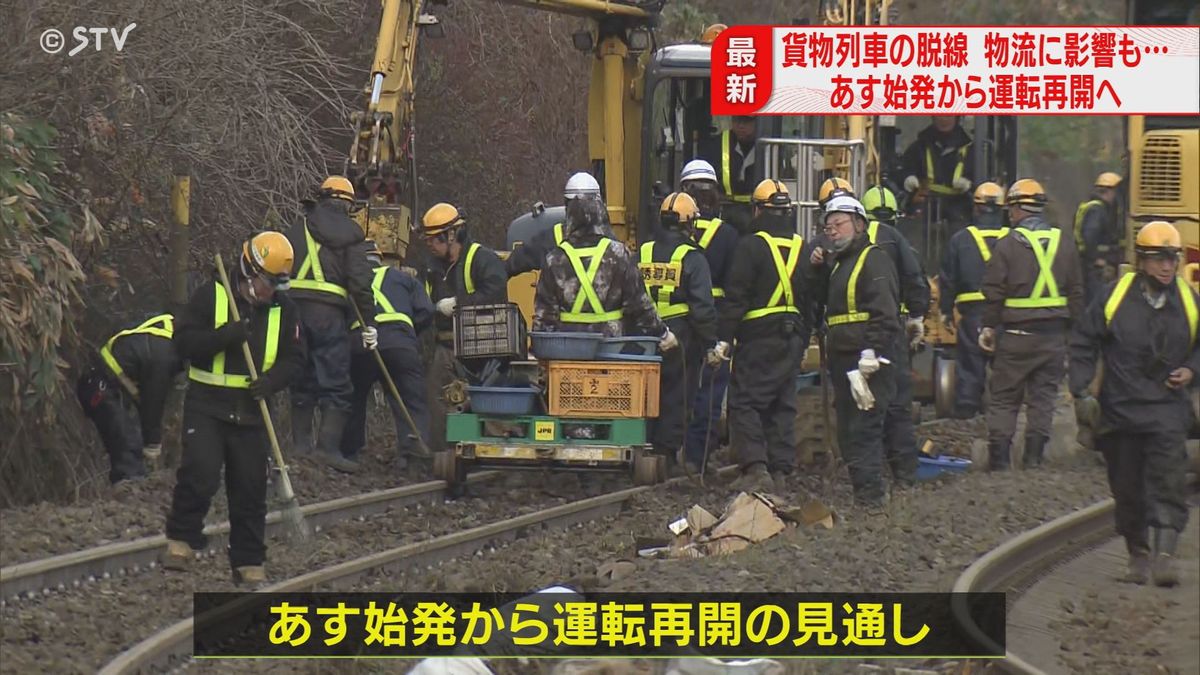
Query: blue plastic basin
[[929, 468], [549, 346], [502, 400]]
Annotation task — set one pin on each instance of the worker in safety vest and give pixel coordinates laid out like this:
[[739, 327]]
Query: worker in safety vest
[[1099, 235], [330, 271], [718, 240], [766, 311], [590, 283], [940, 161], [679, 284], [1033, 291], [967, 254], [864, 333], [223, 426], [402, 310], [733, 153], [133, 368], [1145, 328]]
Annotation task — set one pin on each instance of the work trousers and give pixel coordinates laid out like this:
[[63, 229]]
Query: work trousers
[[762, 401], [1147, 475], [900, 443], [209, 444], [970, 363], [706, 412], [678, 376], [441, 372], [1027, 368], [106, 404], [404, 365], [861, 432], [326, 379]]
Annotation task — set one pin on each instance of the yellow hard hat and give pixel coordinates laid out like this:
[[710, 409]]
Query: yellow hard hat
[[989, 193], [268, 255], [771, 193], [338, 187], [832, 187], [1028, 194], [1158, 237], [710, 34], [440, 218], [1108, 179], [679, 208]]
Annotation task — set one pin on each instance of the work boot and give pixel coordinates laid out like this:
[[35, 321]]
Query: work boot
[[302, 430], [1139, 563], [329, 440], [177, 556], [754, 479], [249, 574], [1035, 448], [780, 478], [998, 458], [1163, 567]]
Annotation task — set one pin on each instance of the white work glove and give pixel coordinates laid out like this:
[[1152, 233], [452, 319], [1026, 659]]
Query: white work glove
[[719, 353], [867, 363], [916, 331], [961, 184], [668, 341], [446, 306], [370, 338], [912, 183], [987, 340], [860, 390]]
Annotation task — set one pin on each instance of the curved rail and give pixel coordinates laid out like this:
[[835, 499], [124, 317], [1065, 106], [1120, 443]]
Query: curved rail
[[1017, 562], [36, 577]]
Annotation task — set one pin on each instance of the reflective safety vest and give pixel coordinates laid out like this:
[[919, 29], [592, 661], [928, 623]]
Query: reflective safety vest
[[852, 314], [162, 325], [468, 280], [385, 312], [958, 171], [311, 277], [708, 230], [983, 239], [1079, 214], [1045, 291], [783, 299], [587, 290], [872, 232], [558, 233], [726, 174], [1185, 297], [217, 377], [666, 287]]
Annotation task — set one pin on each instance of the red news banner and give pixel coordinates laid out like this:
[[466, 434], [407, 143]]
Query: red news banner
[[944, 70]]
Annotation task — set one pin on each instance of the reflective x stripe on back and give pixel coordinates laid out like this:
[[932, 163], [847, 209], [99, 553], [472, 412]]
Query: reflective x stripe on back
[[558, 233], [783, 299], [587, 289], [708, 229], [1185, 297], [310, 276], [162, 325], [385, 311], [852, 314], [981, 238], [958, 171], [1045, 291], [726, 171], [217, 376], [662, 298]]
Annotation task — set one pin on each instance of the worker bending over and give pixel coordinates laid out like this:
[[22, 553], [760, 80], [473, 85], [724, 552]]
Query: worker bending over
[[402, 310], [961, 277], [678, 282], [718, 240], [1144, 326], [862, 315], [330, 271], [1032, 292], [134, 367], [223, 426], [766, 312], [590, 283]]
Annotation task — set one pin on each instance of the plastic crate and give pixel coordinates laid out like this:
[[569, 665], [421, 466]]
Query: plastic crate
[[605, 389], [502, 400], [489, 331], [549, 346]]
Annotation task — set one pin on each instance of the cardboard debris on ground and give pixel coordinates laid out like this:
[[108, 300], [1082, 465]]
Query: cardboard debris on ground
[[749, 519]]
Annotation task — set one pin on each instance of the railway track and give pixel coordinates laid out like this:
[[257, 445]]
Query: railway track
[[72, 570]]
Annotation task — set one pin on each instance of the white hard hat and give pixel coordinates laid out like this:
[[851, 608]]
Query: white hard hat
[[581, 184], [845, 204], [698, 169]]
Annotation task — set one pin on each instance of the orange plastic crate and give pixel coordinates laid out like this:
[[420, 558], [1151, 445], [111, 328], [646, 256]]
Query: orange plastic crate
[[603, 389]]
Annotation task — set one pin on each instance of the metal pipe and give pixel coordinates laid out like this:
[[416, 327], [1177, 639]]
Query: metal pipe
[[376, 89]]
